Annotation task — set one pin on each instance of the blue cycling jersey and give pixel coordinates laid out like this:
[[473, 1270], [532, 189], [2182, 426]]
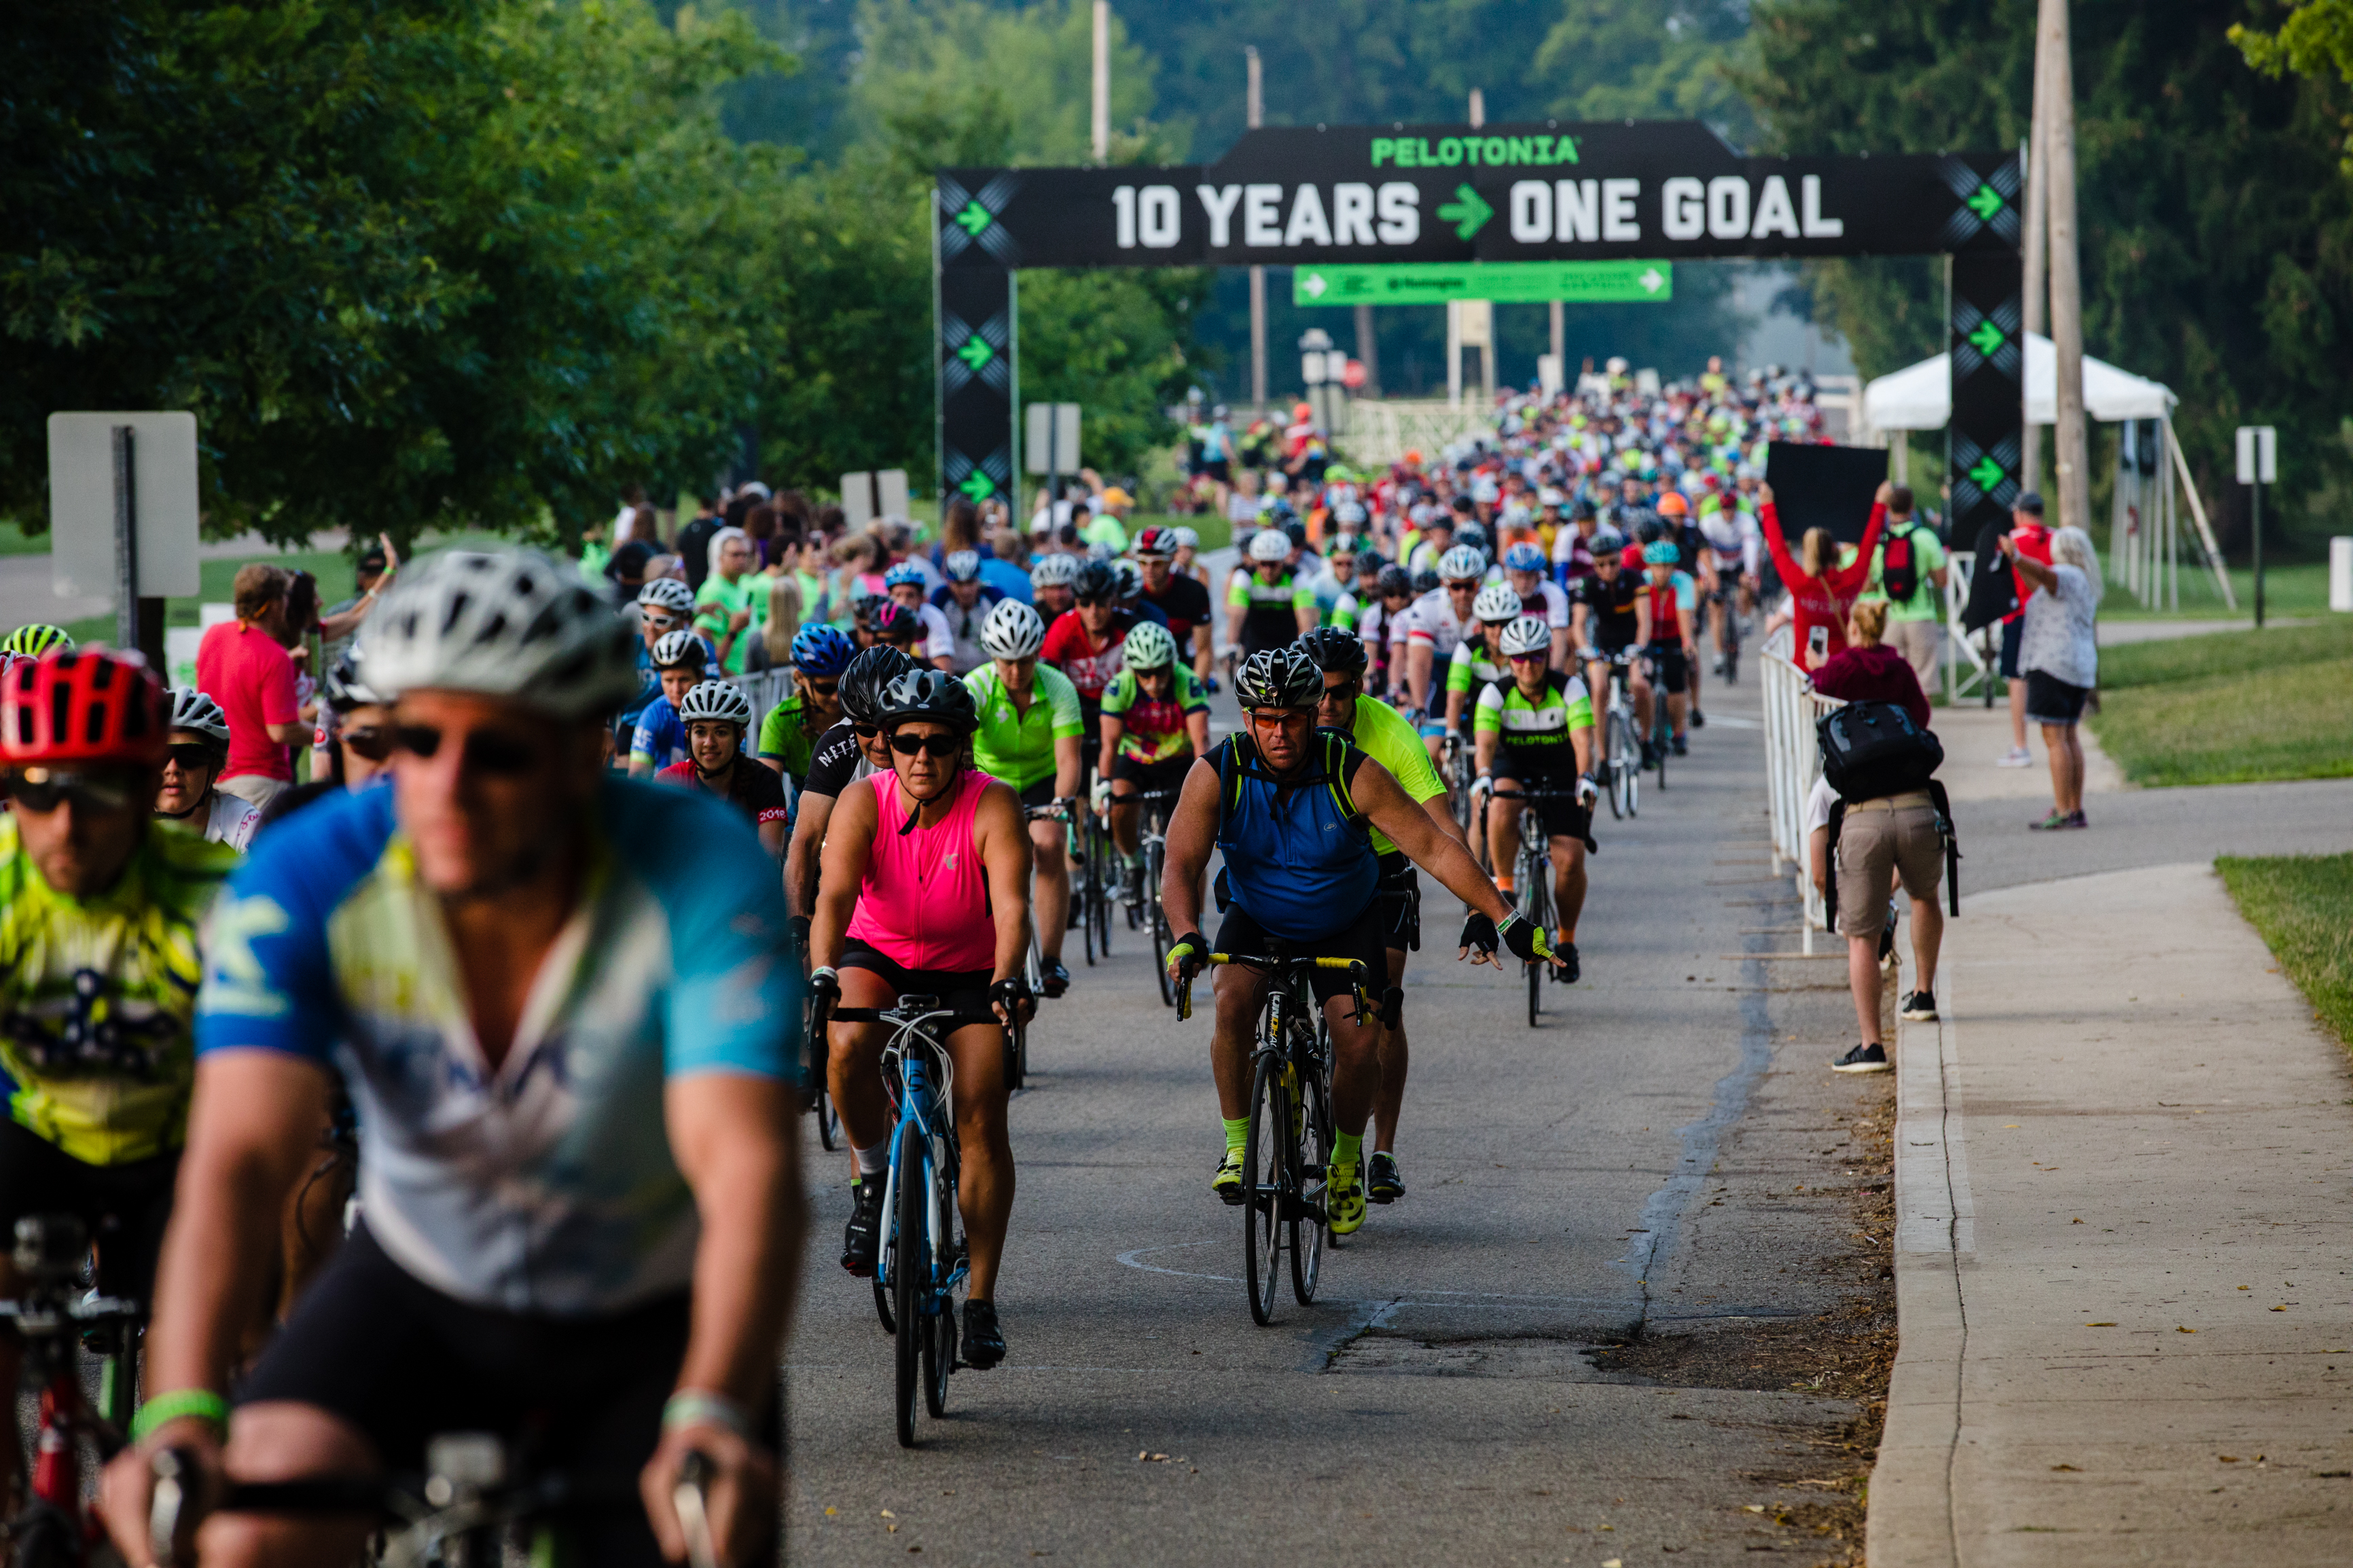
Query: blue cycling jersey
[[661, 734], [547, 1184]]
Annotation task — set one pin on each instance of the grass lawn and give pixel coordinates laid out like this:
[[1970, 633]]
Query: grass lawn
[[2230, 708], [2297, 588], [2302, 906]]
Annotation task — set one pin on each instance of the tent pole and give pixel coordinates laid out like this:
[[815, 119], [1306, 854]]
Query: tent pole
[[2198, 514]]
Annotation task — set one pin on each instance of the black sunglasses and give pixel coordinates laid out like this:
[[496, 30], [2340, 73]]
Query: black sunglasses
[[939, 748], [189, 756], [488, 752], [1095, 599], [374, 741], [866, 732], [821, 688], [44, 789]]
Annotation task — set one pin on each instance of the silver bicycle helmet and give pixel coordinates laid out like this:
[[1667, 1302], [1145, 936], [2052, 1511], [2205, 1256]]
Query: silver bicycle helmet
[[674, 648], [1054, 572], [192, 710], [1528, 633], [1495, 602], [1148, 648], [1461, 563], [667, 593], [1281, 676], [1187, 539], [722, 699], [1269, 545], [510, 623], [346, 688], [1013, 630], [962, 565]]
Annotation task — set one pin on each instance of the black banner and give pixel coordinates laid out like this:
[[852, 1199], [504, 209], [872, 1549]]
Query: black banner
[[1824, 486], [978, 374], [1988, 343]]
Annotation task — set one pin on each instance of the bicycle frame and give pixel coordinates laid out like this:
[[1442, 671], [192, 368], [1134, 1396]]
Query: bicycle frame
[[51, 1319], [920, 1117]]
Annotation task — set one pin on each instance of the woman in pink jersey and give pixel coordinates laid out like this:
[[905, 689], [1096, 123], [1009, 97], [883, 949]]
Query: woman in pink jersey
[[924, 889]]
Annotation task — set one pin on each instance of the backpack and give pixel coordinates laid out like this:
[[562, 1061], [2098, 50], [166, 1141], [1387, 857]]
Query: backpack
[[1872, 750], [1899, 568]]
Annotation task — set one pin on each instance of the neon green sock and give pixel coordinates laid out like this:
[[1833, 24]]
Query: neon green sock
[[1347, 1148], [1236, 1132]]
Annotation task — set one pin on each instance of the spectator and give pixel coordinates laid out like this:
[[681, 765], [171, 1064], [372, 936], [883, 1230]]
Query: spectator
[[855, 576], [2027, 539], [339, 621], [2058, 653], [243, 665], [1821, 591], [1868, 670], [1004, 567], [1913, 621], [733, 601], [694, 544]]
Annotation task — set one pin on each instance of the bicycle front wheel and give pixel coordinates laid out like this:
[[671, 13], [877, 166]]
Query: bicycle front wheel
[[939, 1323], [1535, 904], [1266, 1167], [1160, 933], [1309, 1226], [908, 1253]]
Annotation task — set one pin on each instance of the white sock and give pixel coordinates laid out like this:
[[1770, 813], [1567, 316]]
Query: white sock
[[870, 1162]]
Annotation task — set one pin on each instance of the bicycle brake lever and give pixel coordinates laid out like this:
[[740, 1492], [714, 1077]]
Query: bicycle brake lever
[[690, 1498]]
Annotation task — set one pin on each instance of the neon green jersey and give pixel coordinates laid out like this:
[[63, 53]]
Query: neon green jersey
[[97, 994], [1381, 733], [715, 604], [1565, 705], [1019, 747], [1473, 667], [783, 735]]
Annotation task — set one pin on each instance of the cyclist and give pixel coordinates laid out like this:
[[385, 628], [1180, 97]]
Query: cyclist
[[1610, 617], [664, 605], [1382, 734], [1523, 571], [1181, 598], [570, 1058], [1334, 588], [1677, 527], [926, 890], [1731, 563], [841, 751], [1536, 730], [99, 964], [1393, 595], [1670, 643], [661, 739], [37, 641], [1030, 731], [964, 601], [716, 713], [1478, 660], [1186, 562], [1292, 811], [1267, 605], [1050, 586], [1084, 644], [790, 733], [906, 587], [1432, 627], [1156, 720], [353, 743], [184, 795]]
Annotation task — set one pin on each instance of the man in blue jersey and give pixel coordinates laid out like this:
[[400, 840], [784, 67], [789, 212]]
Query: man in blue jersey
[[572, 1065]]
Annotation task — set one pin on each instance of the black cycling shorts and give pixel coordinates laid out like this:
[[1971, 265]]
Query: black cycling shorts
[[1038, 794], [1562, 818], [1151, 778], [961, 990], [1668, 667], [1363, 941], [402, 1361], [1400, 903], [124, 1208]]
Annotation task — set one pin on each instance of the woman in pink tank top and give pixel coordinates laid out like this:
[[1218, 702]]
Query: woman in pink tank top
[[925, 889]]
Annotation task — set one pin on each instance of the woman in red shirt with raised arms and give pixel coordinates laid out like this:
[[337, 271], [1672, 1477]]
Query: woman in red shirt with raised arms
[[1822, 591]]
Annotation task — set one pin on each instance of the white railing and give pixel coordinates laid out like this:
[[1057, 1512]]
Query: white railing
[[765, 690], [1969, 660], [1793, 760]]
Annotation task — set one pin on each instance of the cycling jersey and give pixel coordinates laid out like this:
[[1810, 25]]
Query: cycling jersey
[[939, 637], [1381, 733], [922, 901], [1019, 747], [1733, 537], [1538, 727], [1610, 619], [1475, 664], [1431, 619], [228, 820], [1072, 649], [1153, 729], [1670, 606], [546, 1183], [752, 790], [1270, 610], [1335, 605], [1556, 604], [1185, 602], [661, 738], [96, 996], [964, 652], [783, 735], [835, 761], [1299, 857]]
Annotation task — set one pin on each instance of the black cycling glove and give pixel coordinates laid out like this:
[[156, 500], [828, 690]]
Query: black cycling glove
[[1478, 933], [1526, 940], [1013, 991], [799, 926], [1187, 955], [825, 987]]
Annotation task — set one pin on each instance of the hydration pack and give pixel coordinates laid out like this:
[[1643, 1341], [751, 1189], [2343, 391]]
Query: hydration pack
[[1872, 749], [1899, 570]]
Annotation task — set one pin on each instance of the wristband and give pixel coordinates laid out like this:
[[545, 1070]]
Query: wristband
[[200, 1402], [700, 1407]]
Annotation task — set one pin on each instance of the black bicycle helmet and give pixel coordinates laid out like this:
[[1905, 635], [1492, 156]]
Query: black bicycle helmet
[[931, 695], [1335, 651], [1281, 676], [1426, 580], [866, 678], [1394, 580], [1096, 580], [1648, 526]]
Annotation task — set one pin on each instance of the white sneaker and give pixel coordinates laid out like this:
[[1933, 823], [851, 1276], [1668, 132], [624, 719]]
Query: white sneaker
[[2016, 757]]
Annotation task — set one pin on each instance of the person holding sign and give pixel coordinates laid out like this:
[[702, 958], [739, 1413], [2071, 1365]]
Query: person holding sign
[[1821, 591]]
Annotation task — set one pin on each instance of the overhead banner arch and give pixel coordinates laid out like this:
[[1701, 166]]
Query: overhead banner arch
[[1460, 194]]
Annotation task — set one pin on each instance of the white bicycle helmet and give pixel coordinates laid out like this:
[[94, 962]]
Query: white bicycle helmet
[[722, 699], [962, 565], [1461, 563], [1148, 648], [1270, 545], [674, 648], [1054, 572], [509, 623], [1496, 602], [667, 593], [192, 710], [1013, 630], [1527, 634], [1187, 539]]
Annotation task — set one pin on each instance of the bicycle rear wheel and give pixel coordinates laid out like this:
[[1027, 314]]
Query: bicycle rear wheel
[[1534, 903], [1310, 1227], [1160, 935], [1266, 1168], [908, 1251], [939, 1322]]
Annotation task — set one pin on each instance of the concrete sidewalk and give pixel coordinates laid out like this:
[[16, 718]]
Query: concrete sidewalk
[[2149, 1361]]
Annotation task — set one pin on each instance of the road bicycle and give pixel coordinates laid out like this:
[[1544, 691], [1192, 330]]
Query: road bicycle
[[1152, 839], [474, 1506], [1533, 871], [1455, 768], [1727, 595], [1662, 723], [817, 1094], [58, 1321], [1288, 1152], [1620, 723], [921, 1260]]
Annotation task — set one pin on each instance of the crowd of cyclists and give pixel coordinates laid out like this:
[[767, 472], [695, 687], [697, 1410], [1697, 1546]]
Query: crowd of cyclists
[[548, 932]]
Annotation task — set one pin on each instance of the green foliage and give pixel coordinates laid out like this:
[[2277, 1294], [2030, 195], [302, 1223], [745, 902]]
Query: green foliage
[[1621, 59], [2230, 708]]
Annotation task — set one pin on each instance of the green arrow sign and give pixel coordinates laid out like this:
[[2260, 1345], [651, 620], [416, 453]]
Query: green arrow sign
[[973, 219], [975, 352], [1466, 212], [1986, 475], [1985, 202], [977, 486], [1509, 282], [1986, 339]]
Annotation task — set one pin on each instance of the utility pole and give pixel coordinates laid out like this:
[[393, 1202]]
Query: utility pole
[[1103, 81], [2068, 446], [1254, 112]]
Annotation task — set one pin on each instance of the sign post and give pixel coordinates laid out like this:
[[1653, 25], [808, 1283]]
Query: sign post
[[2258, 466], [124, 515], [1050, 443]]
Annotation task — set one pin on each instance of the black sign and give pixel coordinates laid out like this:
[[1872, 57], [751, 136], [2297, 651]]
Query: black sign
[[1824, 486]]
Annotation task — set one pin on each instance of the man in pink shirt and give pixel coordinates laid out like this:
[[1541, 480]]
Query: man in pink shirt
[[242, 666]]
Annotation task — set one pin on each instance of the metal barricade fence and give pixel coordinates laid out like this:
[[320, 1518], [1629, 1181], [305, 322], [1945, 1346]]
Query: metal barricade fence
[[765, 690], [1793, 760]]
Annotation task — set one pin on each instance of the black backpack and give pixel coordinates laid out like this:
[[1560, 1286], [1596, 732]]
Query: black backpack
[[1872, 750], [1899, 568]]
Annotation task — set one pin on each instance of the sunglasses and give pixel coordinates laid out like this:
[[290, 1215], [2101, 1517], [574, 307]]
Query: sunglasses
[[866, 732], [1094, 598], [1346, 689], [189, 757], [1531, 659], [487, 752], [372, 741], [44, 789], [939, 748], [821, 688], [662, 623]]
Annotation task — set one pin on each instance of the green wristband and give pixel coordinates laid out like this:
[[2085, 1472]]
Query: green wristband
[[201, 1403], [696, 1407]]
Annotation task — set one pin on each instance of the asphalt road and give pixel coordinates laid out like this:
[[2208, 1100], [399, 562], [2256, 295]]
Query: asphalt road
[[1627, 1170]]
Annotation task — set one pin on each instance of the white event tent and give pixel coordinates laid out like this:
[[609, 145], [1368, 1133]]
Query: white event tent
[[2142, 535]]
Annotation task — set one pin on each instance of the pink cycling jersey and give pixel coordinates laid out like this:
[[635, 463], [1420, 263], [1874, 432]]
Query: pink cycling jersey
[[924, 901]]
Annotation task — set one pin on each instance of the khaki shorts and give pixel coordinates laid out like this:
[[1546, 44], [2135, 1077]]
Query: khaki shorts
[[1877, 846], [1917, 641]]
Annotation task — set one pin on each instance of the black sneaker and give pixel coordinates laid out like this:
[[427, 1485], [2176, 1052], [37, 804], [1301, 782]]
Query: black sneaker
[[1683, 746], [1650, 754], [1131, 886], [1699, 720], [1921, 1006], [1383, 1183], [984, 1342], [1863, 1058], [1056, 978], [861, 1237], [1565, 967]]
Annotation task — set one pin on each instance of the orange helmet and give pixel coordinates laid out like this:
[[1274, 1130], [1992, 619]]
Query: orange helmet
[[1673, 504], [1303, 411], [83, 707]]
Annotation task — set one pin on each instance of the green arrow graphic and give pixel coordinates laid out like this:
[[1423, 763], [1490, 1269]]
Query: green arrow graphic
[[1312, 285], [973, 219], [1986, 339], [977, 486], [1466, 212], [1986, 475], [975, 352], [1985, 203]]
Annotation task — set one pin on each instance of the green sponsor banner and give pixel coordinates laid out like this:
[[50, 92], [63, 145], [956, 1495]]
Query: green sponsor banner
[[1507, 282]]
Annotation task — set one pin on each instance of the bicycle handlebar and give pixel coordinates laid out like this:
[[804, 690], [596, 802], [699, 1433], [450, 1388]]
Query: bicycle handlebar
[[1357, 974]]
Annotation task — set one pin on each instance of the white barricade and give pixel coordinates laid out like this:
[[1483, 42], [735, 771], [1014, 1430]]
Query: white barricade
[[1793, 760], [765, 690]]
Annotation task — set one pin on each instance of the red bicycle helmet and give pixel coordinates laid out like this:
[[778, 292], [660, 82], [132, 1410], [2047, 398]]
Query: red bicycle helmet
[[83, 707]]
